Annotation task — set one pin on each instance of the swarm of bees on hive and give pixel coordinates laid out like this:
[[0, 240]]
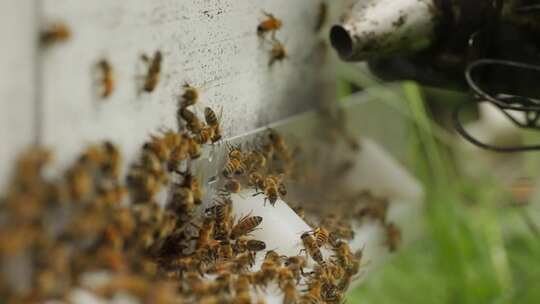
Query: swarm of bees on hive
[[58, 231], [170, 254]]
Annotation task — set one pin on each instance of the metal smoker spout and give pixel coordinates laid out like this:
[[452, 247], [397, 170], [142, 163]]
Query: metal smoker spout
[[378, 28], [489, 47], [432, 41]]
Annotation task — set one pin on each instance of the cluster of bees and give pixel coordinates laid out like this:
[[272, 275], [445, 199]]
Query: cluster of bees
[[177, 253], [262, 168], [90, 220], [187, 250]]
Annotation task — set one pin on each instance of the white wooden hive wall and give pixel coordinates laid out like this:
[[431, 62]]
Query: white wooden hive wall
[[212, 44]]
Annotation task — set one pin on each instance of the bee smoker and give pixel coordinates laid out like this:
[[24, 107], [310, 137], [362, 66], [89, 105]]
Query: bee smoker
[[491, 47]]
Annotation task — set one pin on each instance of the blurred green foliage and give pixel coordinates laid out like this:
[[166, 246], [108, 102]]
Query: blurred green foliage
[[466, 255]]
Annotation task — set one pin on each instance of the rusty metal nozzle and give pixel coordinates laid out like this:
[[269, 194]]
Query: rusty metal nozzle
[[380, 28]]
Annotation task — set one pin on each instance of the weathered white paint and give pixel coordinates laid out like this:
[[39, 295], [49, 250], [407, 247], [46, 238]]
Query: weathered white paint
[[17, 123], [210, 44]]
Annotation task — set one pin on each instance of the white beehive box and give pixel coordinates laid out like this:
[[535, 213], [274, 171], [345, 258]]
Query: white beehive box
[[49, 96]]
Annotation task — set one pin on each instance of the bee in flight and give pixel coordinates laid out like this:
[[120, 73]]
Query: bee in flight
[[270, 25], [154, 69]]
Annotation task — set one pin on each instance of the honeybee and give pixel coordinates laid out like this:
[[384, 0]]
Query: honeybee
[[162, 293], [232, 186], [269, 268], [311, 248], [151, 163], [159, 147], [171, 138], [282, 190], [194, 148], [179, 154], [321, 16], [93, 157], [15, 240], [192, 183], [322, 236], [190, 96], [80, 182], [331, 294], [267, 149], [210, 117], [245, 226], [290, 295], [296, 264], [313, 294], [393, 236], [182, 200], [273, 256], [348, 276], [242, 283], [284, 275], [217, 134], [233, 167], [375, 209], [54, 33], [193, 123], [213, 121], [235, 152], [221, 211], [272, 189], [205, 233], [254, 161], [185, 264], [225, 250], [204, 135], [114, 260], [134, 284], [113, 160], [107, 78], [270, 25], [110, 192], [242, 298], [213, 300], [256, 180], [243, 244], [343, 254], [300, 212], [325, 275], [333, 273], [521, 191], [30, 164], [277, 53], [154, 69], [278, 143], [142, 186], [199, 287], [339, 229], [245, 259]]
